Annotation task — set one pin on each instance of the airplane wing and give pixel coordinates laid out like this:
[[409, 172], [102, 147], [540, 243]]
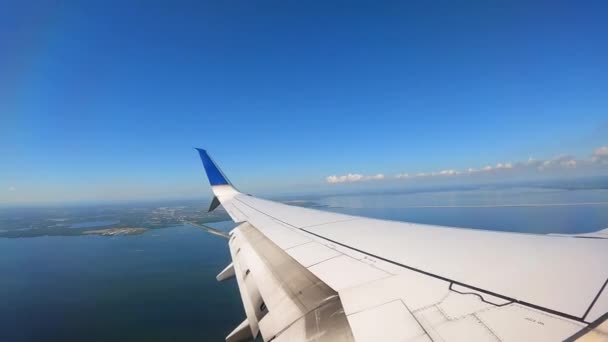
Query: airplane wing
[[310, 275]]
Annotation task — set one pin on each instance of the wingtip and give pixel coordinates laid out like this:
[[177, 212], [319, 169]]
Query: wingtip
[[214, 174], [202, 152]]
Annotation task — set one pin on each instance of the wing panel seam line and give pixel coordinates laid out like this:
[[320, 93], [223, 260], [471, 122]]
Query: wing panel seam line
[[478, 295], [595, 299], [513, 300]]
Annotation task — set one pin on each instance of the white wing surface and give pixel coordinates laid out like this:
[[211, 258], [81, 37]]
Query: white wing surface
[[309, 275]]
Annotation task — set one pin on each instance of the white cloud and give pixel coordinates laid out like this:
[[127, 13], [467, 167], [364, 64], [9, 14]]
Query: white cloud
[[352, 178], [504, 166], [531, 162], [600, 155], [566, 161], [448, 173], [376, 177], [11, 188], [561, 162]]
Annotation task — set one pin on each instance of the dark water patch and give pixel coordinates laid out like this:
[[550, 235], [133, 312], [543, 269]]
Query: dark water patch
[[158, 286]]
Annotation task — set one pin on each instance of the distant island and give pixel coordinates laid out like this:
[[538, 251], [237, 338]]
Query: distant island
[[105, 220], [115, 231]]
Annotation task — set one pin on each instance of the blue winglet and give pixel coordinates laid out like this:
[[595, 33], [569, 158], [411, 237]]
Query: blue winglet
[[215, 175]]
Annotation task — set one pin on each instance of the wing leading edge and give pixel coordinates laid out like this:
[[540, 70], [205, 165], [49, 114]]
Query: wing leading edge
[[402, 281]]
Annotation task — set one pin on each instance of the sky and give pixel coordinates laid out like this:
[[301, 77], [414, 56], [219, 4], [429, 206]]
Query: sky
[[105, 100]]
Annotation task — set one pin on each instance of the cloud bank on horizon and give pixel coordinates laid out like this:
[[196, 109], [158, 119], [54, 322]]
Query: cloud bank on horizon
[[353, 177], [599, 159]]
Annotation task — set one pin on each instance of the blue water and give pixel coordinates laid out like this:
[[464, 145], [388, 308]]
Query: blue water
[[517, 210], [160, 286]]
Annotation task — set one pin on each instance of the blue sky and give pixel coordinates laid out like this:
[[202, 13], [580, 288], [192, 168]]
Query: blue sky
[[105, 100]]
